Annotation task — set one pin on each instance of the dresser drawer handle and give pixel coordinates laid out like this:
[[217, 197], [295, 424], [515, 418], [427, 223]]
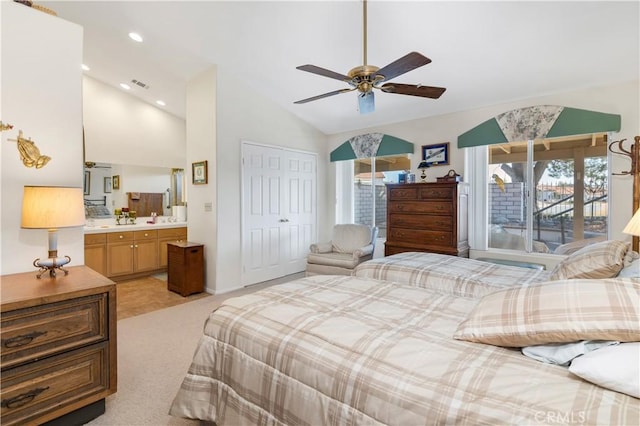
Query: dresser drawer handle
[[22, 340], [22, 399]]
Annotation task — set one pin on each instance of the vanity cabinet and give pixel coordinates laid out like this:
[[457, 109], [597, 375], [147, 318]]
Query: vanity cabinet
[[95, 252], [132, 252], [59, 357], [166, 236]]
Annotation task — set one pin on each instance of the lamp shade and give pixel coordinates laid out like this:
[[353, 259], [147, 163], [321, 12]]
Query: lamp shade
[[52, 207], [633, 227]]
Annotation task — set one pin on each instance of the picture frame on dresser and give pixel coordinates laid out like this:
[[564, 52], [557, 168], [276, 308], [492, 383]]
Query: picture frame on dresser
[[436, 154]]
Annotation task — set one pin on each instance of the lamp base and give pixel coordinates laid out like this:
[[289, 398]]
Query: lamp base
[[51, 264]]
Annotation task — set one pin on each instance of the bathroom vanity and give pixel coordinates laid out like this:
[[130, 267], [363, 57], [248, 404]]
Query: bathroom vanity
[[123, 252]]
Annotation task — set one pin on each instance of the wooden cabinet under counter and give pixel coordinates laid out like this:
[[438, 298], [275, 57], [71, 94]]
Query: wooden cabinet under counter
[[59, 346], [428, 217], [124, 254]]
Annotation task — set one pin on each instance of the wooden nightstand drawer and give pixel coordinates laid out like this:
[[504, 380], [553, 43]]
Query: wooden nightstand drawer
[[44, 330], [433, 223], [32, 391], [421, 207], [403, 193]]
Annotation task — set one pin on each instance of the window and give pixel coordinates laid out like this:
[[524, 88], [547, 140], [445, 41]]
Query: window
[[567, 203], [369, 191]]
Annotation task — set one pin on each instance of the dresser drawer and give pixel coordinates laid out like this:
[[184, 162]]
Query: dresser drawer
[[40, 331], [435, 193], [430, 207], [417, 236], [31, 391], [429, 223], [410, 193]]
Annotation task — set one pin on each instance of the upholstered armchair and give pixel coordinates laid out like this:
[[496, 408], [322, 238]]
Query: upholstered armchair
[[350, 245]]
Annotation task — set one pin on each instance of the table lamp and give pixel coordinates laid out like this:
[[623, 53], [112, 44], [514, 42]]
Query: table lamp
[[423, 166], [633, 228], [51, 208]]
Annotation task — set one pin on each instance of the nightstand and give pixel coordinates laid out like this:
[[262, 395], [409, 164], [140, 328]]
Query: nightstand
[[59, 353]]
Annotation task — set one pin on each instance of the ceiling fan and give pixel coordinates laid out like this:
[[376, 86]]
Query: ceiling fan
[[365, 78]]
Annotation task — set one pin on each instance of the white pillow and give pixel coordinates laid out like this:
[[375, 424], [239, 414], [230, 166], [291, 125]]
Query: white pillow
[[612, 367], [631, 271]]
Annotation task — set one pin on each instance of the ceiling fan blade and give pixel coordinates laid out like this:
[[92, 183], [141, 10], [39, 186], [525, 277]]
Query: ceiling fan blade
[[366, 102], [413, 90], [325, 95], [403, 65], [323, 72]]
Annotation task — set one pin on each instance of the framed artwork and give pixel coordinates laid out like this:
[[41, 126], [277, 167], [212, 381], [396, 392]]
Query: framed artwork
[[115, 182], [87, 182], [436, 155], [107, 185], [200, 173]]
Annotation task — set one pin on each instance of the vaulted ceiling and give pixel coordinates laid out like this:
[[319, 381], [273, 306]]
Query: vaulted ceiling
[[484, 53]]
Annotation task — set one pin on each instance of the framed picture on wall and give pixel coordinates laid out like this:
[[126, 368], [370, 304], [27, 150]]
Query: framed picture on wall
[[87, 182], [200, 173], [115, 182], [436, 155], [107, 185]]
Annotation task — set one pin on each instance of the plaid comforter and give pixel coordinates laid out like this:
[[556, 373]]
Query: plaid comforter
[[328, 350], [448, 274]]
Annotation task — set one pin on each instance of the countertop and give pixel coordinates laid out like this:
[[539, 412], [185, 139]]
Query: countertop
[[139, 226]]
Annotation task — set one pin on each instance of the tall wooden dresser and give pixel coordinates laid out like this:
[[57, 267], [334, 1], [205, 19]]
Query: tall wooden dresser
[[427, 217], [59, 358]]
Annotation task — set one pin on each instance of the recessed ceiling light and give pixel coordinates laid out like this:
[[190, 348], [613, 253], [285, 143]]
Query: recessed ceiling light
[[136, 37], [125, 86], [161, 103], [86, 68]]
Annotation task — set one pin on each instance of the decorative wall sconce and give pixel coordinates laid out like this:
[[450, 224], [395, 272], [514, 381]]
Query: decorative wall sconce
[[29, 152]]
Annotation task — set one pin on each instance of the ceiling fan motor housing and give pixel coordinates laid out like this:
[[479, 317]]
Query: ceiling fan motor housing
[[361, 77]]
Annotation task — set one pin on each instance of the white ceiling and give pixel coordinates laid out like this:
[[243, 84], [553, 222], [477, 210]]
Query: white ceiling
[[484, 53]]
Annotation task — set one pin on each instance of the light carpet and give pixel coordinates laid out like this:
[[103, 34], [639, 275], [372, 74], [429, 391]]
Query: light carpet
[[154, 354]]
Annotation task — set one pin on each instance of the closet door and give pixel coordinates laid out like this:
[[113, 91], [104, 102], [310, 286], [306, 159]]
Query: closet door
[[279, 211]]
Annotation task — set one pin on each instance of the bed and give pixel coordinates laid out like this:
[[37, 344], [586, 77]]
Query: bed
[[96, 208], [438, 340], [355, 350], [449, 274]]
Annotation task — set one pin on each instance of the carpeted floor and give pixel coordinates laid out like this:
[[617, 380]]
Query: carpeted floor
[[154, 353]]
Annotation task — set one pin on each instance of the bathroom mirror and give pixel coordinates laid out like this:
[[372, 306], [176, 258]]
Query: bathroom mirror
[[109, 186]]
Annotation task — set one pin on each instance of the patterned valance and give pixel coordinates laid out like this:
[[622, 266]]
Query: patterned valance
[[539, 122], [371, 145]]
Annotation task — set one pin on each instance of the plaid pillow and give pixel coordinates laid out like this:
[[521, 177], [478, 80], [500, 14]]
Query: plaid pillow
[[556, 312], [599, 260]]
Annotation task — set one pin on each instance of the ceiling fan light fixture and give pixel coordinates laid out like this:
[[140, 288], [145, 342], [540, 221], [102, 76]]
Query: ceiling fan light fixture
[[366, 102]]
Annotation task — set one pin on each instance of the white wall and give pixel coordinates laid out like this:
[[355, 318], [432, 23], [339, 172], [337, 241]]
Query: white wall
[[41, 86], [120, 129], [243, 114], [623, 99]]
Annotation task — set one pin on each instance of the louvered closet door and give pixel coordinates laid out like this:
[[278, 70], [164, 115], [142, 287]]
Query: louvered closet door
[[279, 211]]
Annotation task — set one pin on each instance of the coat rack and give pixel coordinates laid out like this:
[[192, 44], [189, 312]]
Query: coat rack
[[634, 154]]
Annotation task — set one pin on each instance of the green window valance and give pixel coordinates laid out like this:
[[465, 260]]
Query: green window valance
[[539, 122], [371, 145]]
